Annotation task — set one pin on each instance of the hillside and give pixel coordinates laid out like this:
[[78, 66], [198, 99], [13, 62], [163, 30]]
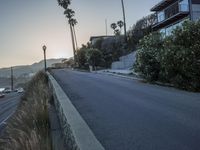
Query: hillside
[[28, 69]]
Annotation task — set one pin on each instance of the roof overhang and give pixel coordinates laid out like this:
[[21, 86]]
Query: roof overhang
[[163, 4]]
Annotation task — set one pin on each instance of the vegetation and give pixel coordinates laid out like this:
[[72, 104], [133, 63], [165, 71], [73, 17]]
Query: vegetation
[[148, 56], [112, 48], [69, 13], [82, 58], [89, 56], [94, 57], [174, 59], [28, 129], [114, 26], [142, 28]]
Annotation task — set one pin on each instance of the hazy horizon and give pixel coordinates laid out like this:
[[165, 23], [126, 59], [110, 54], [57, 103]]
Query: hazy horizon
[[27, 25]]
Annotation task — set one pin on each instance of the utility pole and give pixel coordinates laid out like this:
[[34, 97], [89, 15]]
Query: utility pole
[[106, 24], [124, 17], [45, 63], [11, 77]]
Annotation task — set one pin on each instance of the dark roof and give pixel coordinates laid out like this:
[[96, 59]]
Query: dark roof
[[97, 37], [161, 5]]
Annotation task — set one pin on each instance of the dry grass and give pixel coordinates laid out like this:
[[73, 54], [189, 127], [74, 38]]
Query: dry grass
[[29, 128]]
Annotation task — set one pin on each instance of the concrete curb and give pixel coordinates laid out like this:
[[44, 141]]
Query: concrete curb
[[121, 76], [135, 78], [77, 134]]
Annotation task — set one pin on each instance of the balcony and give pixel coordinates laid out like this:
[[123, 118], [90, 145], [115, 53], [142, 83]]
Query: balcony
[[171, 14], [163, 4]]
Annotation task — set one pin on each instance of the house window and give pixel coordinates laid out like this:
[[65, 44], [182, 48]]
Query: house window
[[161, 16], [172, 10], [174, 26], [183, 5]]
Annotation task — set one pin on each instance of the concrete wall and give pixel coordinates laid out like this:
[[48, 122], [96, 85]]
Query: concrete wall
[[125, 62], [77, 134]]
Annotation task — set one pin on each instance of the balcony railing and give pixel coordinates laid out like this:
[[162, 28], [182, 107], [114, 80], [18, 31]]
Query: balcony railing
[[172, 11]]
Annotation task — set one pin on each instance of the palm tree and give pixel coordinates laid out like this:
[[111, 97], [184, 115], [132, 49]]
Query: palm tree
[[113, 26], [69, 13], [64, 3], [117, 32], [124, 17], [73, 22], [120, 24]]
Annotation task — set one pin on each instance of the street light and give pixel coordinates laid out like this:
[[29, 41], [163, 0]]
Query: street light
[[45, 63]]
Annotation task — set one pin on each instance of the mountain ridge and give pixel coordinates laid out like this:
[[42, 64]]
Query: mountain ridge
[[23, 70]]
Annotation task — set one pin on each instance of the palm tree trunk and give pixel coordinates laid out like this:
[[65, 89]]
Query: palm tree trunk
[[75, 38], [73, 44]]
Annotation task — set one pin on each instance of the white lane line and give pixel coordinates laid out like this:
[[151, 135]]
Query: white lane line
[[4, 121]]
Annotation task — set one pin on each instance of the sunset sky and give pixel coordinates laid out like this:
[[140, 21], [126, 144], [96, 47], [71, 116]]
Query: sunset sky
[[25, 25]]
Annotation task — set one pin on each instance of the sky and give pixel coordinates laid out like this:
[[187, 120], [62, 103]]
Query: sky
[[26, 25]]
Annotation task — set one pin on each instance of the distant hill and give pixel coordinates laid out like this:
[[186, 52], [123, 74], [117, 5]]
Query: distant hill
[[28, 69]]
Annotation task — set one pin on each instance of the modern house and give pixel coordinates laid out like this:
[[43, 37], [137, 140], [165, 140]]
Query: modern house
[[172, 13], [94, 39]]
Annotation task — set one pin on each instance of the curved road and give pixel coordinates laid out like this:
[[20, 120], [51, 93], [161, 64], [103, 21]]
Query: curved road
[[130, 115], [8, 105]]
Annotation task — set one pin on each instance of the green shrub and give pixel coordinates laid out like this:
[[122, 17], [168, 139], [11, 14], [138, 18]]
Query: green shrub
[[182, 55], [94, 57], [174, 59], [148, 55], [82, 58]]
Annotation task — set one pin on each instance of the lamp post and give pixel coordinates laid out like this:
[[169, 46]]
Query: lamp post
[[45, 63], [124, 17]]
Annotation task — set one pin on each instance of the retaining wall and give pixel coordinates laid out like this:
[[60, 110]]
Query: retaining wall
[[77, 134], [125, 62]]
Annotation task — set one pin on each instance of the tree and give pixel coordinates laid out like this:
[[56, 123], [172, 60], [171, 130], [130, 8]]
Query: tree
[[140, 29], [120, 24], [174, 59], [64, 3], [73, 22], [69, 13], [82, 58], [113, 26], [94, 57], [124, 17], [117, 32]]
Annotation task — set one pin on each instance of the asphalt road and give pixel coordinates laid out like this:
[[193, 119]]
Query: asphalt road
[[8, 105], [130, 115]]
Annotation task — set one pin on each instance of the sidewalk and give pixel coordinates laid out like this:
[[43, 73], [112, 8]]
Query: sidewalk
[[128, 74]]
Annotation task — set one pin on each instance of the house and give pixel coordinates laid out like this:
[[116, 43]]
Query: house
[[94, 39], [172, 13]]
